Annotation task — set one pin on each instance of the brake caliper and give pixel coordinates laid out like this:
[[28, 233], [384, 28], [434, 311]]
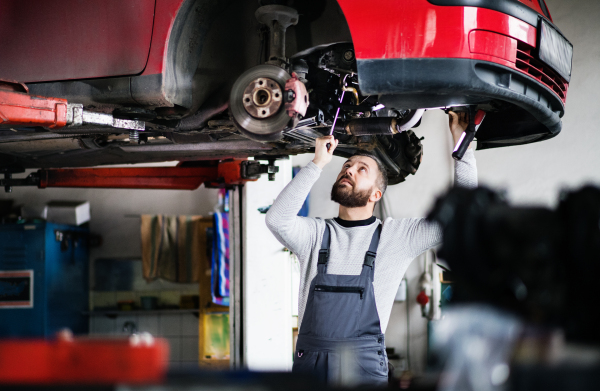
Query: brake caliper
[[295, 97]]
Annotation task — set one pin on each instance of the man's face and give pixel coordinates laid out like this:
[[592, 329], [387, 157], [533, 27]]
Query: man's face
[[356, 183]]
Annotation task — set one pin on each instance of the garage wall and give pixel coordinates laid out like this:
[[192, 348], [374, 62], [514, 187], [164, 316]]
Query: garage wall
[[115, 216], [110, 208]]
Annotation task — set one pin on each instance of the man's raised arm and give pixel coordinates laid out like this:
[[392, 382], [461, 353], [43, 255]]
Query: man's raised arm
[[424, 234], [299, 233]]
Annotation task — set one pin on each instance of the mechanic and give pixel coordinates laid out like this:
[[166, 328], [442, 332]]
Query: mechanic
[[351, 266]]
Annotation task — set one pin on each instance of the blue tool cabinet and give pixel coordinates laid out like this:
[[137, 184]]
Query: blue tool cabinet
[[43, 279]]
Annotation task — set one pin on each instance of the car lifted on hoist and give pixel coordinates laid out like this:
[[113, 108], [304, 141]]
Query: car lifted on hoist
[[196, 80]]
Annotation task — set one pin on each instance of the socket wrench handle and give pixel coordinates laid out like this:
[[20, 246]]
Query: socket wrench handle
[[337, 113], [475, 120]]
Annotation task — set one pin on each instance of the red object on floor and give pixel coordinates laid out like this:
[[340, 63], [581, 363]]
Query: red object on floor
[[422, 298], [83, 361]]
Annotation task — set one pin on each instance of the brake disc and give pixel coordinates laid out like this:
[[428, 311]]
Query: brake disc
[[256, 103]]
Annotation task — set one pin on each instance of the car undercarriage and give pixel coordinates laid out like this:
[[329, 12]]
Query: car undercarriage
[[266, 86]]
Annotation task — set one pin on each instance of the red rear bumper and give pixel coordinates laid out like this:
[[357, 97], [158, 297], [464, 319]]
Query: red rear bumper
[[417, 29]]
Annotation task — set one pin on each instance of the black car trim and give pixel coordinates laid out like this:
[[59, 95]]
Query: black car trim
[[509, 7], [544, 8], [442, 82]]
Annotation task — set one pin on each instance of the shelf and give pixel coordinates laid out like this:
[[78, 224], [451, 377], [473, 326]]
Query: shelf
[[140, 312]]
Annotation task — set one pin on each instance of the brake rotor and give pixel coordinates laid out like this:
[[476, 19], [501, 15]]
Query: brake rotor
[[256, 103]]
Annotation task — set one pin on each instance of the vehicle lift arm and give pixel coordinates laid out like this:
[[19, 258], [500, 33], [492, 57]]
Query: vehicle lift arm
[[216, 174], [18, 108]]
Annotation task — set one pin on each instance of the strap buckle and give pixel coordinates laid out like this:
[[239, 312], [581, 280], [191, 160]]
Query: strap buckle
[[323, 256], [370, 258]]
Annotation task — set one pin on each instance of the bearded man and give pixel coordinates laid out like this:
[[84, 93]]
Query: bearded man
[[351, 266]]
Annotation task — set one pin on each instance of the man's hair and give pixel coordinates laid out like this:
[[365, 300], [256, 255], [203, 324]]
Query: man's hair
[[382, 180]]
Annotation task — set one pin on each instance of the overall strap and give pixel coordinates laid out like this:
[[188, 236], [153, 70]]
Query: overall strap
[[372, 251], [324, 251]]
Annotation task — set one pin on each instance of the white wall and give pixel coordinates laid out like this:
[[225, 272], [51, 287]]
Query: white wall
[[267, 281]]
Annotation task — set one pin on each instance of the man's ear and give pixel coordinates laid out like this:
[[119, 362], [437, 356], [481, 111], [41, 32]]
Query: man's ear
[[376, 195]]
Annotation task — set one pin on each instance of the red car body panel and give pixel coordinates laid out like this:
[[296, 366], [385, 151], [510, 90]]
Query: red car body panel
[[166, 11], [389, 29], [75, 39]]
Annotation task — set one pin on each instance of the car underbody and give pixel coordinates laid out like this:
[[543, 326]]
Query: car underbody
[[267, 86]]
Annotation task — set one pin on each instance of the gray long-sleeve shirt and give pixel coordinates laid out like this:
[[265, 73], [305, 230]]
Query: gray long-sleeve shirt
[[401, 240]]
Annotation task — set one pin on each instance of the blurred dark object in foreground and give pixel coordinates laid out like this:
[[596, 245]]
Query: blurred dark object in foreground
[[523, 314], [542, 264]]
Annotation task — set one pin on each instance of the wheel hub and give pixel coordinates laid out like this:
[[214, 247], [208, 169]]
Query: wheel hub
[[262, 98], [256, 103]]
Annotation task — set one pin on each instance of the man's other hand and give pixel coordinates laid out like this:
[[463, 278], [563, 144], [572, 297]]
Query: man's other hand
[[322, 154], [458, 124]]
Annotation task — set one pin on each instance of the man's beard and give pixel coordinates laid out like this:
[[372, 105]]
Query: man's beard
[[348, 197]]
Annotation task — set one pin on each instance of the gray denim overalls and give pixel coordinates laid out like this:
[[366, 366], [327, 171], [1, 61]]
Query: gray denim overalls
[[341, 316]]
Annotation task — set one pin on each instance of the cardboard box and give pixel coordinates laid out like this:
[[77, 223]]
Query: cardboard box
[[68, 212], [34, 212]]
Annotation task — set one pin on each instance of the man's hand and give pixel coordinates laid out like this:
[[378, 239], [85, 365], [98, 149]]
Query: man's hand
[[458, 124], [322, 155]]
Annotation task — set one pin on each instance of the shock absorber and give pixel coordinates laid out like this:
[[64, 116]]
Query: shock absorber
[[278, 18]]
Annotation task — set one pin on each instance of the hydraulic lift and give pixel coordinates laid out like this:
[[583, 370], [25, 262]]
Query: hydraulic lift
[[19, 109]]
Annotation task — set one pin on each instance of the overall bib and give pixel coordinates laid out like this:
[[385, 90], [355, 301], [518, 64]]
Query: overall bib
[[341, 316]]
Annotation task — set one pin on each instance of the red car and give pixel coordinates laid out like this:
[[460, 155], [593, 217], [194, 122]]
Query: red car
[[219, 79]]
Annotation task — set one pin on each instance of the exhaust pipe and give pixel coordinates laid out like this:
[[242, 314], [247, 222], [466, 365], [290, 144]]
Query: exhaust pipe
[[383, 126]]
